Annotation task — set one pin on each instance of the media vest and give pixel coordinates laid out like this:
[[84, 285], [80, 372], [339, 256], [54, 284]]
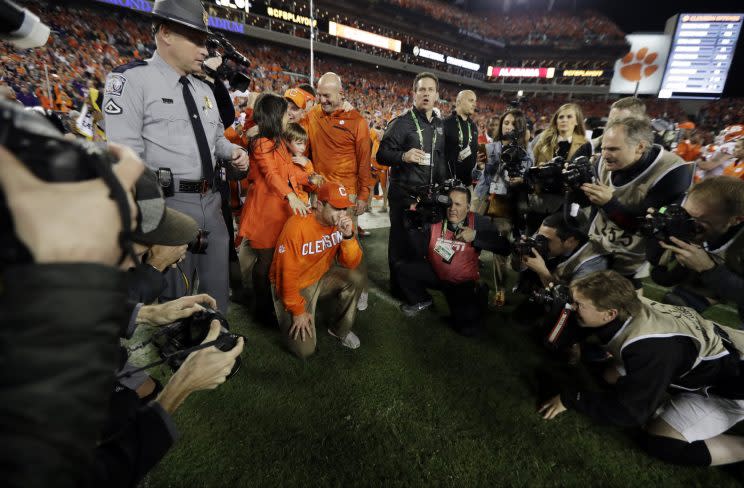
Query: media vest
[[627, 248], [657, 320], [565, 270], [464, 264]]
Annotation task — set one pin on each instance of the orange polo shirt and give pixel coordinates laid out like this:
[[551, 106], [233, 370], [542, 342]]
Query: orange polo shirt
[[305, 252], [341, 149]]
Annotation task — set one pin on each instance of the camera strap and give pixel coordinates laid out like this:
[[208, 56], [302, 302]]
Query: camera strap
[[106, 171], [182, 353]]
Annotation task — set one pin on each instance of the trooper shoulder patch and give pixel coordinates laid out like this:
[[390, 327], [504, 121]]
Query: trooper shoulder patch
[[112, 108], [128, 66], [115, 84]]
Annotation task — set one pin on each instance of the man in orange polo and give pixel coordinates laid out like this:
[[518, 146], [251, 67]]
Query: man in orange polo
[[341, 148], [317, 256], [340, 143]]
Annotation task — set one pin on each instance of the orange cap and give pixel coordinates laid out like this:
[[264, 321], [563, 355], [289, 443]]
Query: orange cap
[[334, 194], [298, 96]]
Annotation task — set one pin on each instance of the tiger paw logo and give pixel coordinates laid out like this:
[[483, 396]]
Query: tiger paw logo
[[637, 66]]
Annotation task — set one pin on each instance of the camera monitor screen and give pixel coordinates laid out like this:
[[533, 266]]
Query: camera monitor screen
[[701, 54]]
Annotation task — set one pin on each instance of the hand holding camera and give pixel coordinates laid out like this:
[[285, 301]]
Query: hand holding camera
[[691, 256], [205, 369], [597, 193], [175, 310]]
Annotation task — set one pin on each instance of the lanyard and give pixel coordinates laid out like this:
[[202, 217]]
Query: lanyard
[[421, 136], [459, 130]]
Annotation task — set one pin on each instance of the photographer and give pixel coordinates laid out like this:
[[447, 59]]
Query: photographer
[[413, 146], [624, 107], [569, 252], [448, 254], [58, 373], [633, 175], [558, 144], [706, 265], [138, 431], [507, 162], [661, 348]]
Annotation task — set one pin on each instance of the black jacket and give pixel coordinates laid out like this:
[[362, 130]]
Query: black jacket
[[402, 135], [59, 338], [456, 136]]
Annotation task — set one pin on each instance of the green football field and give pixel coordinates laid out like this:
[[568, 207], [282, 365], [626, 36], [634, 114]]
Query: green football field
[[416, 405]]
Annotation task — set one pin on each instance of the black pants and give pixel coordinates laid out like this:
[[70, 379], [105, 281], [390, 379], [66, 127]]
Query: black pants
[[467, 301], [398, 242]]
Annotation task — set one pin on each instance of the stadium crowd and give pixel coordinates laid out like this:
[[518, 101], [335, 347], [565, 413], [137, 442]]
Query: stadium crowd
[[581, 199]]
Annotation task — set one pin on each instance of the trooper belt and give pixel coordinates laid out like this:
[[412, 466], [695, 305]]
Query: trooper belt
[[193, 186]]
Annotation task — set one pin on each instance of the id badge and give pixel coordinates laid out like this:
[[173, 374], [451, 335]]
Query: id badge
[[426, 161], [445, 250], [464, 154]]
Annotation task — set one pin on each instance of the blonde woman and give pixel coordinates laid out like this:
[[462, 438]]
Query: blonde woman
[[564, 136]]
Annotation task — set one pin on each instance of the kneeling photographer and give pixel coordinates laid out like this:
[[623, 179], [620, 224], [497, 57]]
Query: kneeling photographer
[[447, 247], [661, 350], [191, 338], [700, 246], [560, 252]]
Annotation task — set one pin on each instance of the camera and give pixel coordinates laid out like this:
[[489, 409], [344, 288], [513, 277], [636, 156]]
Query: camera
[[539, 243], [513, 155], [548, 177], [667, 222], [432, 202], [39, 145], [173, 341], [560, 319], [237, 79], [199, 244], [577, 172]]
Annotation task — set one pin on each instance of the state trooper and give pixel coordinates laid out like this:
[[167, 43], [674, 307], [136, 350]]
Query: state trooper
[[170, 118]]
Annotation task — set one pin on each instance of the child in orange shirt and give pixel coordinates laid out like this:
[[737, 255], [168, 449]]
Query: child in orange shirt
[[296, 138]]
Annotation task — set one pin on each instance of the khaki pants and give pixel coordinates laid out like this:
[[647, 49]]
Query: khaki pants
[[344, 285]]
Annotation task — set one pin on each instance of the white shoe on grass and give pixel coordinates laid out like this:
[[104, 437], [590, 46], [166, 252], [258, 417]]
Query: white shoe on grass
[[351, 340], [363, 301]]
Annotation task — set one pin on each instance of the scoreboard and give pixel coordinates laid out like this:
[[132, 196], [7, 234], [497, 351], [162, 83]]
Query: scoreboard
[[700, 56]]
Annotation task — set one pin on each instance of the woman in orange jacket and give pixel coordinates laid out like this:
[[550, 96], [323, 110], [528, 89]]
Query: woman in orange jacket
[[272, 195]]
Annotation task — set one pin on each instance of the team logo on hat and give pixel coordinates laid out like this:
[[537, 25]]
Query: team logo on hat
[[342, 191]]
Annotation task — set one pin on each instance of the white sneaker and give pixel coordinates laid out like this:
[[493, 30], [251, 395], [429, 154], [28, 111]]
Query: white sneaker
[[351, 340], [363, 301]]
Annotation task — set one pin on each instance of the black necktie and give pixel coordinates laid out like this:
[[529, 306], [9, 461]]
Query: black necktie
[[201, 137]]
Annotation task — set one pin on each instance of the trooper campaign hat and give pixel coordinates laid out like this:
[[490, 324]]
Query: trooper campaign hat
[[185, 12]]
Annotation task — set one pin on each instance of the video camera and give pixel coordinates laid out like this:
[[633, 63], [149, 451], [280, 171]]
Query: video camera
[[557, 176], [50, 157], [547, 177], [513, 155], [670, 221], [432, 202], [539, 243], [175, 342], [217, 45]]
